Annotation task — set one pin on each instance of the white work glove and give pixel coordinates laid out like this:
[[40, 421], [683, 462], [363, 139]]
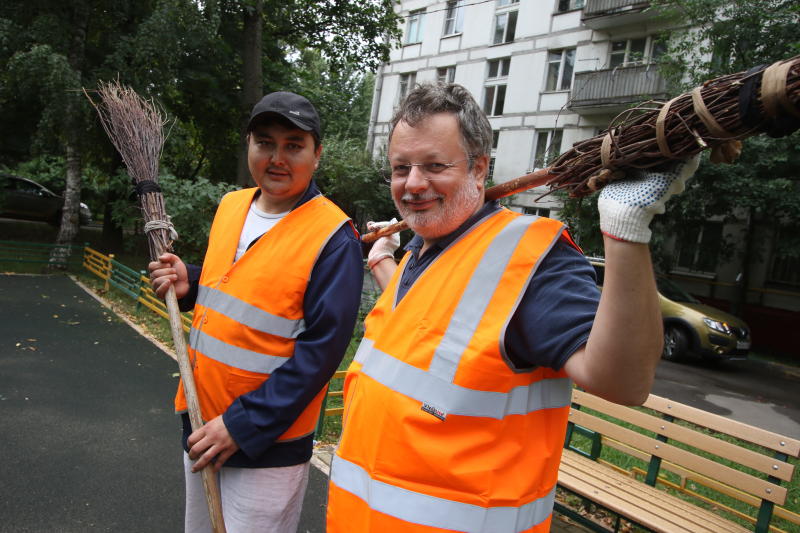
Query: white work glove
[[627, 206], [383, 247]]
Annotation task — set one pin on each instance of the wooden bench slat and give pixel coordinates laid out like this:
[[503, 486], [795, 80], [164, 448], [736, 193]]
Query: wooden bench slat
[[755, 435], [757, 461], [758, 487], [637, 490], [644, 504]]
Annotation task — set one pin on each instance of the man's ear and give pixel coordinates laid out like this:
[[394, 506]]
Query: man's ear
[[318, 154], [481, 169]]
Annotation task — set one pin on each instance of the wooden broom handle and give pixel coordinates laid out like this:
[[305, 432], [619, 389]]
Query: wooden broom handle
[[193, 404], [522, 183]]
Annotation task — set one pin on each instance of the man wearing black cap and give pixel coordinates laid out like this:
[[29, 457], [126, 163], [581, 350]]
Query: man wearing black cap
[[274, 308]]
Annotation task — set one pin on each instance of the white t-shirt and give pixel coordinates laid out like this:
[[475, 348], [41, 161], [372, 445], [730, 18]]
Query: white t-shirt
[[256, 224]]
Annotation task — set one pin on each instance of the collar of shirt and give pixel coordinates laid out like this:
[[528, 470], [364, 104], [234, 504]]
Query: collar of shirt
[[311, 192], [415, 244], [417, 265]]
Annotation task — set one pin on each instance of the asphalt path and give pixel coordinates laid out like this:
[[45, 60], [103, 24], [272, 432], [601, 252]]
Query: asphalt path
[[89, 440], [748, 391]]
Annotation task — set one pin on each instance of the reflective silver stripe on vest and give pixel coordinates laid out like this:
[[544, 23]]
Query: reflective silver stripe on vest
[[455, 399], [476, 297], [233, 355], [248, 314], [432, 511]]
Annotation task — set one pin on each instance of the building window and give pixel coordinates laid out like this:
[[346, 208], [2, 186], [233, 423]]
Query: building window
[[503, 3], [785, 267], [569, 5], [495, 138], [454, 18], [560, 65], [548, 146], [632, 52], [495, 100], [490, 174], [699, 246], [499, 68], [538, 211], [407, 82], [414, 26], [505, 24], [446, 74]]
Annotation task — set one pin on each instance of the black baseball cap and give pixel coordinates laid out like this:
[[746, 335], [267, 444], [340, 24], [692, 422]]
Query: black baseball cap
[[293, 107]]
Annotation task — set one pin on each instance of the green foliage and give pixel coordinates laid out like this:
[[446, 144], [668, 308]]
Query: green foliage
[[342, 95], [353, 180], [582, 219], [725, 36]]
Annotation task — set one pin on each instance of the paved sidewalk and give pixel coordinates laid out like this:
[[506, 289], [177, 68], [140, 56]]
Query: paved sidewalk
[[89, 440]]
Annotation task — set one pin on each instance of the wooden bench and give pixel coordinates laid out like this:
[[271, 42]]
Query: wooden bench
[[678, 469]]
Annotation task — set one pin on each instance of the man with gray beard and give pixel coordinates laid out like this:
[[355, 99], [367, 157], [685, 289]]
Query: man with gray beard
[[457, 400]]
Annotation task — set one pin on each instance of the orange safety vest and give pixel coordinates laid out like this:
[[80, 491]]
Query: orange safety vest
[[249, 313], [440, 433]]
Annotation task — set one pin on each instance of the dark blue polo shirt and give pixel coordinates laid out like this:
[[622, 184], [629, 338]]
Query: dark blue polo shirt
[[556, 312]]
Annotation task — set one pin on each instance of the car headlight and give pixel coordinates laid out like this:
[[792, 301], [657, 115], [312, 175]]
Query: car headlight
[[716, 325]]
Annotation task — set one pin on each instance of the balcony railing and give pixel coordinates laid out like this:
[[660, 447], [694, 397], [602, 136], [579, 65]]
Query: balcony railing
[[606, 91], [598, 14]]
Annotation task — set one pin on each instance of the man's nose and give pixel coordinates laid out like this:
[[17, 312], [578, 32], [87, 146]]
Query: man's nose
[[416, 180]]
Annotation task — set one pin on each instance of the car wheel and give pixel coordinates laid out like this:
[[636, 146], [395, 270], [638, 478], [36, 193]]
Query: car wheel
[[675, 344]]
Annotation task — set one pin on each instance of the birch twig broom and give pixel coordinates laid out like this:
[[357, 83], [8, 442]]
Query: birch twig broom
[[715, 116], [135, 127]]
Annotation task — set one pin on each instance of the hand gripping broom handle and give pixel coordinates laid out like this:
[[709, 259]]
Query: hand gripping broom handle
[[185, 367], [523, 183], [134, 126]]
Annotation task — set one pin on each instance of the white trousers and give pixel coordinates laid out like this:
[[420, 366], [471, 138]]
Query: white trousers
[[254, 500]]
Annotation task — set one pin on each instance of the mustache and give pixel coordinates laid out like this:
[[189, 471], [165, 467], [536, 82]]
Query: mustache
[[411, 197]]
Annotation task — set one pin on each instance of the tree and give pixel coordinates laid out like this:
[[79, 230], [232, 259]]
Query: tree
[[51, 50], [761, 190]]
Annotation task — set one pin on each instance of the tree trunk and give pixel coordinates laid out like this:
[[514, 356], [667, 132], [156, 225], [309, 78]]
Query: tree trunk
[[70, 218], [253, 83]]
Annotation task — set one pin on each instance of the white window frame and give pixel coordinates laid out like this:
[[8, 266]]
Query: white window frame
[[446, 74], [538, 211], [414, 26], [648, 55], [406, 83], [503, 68], [563, 6], [546, 146], [562, 82], [493, 92], [507, 36], [454, 17], [506, 3]]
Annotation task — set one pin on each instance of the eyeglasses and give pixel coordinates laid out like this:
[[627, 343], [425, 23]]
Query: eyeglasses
[[430, 170]]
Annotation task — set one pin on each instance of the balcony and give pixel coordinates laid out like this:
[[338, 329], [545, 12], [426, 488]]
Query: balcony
[[613, 90], [603, 14]]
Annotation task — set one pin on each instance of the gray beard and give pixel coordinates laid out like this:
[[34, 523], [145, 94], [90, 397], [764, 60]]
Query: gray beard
[[448, 217]]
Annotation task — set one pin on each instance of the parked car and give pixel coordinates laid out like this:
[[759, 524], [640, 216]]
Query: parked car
[[693, 328], [26, 199]]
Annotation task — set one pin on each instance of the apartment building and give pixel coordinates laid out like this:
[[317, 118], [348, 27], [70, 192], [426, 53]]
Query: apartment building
[[552, 72], [547, 72]]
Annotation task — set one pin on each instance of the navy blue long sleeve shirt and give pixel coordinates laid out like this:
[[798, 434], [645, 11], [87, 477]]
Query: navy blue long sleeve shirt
[[330, 308], [556, 312]]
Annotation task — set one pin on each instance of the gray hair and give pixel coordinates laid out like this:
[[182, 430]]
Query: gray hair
[[430, 98]]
